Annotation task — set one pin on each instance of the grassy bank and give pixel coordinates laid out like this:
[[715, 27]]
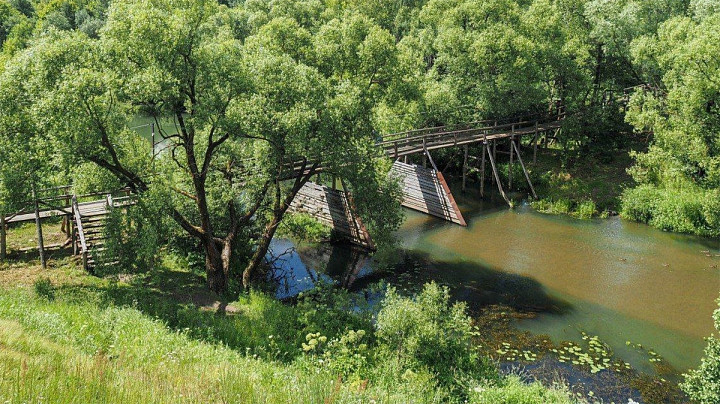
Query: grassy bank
[[582, 187], [69, 337]]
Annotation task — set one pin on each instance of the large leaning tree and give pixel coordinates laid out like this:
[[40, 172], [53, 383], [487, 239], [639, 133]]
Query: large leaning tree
[[252, 118]]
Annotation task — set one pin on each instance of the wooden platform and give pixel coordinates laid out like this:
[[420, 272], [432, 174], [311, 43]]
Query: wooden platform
[[425, 190], [86, 209], [92, 208], [335, 209]]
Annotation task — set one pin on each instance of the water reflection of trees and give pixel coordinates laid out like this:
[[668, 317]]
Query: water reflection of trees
[[291, 267]]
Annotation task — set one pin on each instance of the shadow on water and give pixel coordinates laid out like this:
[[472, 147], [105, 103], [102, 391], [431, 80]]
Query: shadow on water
[[477, 285], [470, 282]]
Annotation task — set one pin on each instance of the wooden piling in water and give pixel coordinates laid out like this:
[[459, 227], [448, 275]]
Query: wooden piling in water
[[497, 178], [510, 167], [527, 176], [464, 168], [482, 169]]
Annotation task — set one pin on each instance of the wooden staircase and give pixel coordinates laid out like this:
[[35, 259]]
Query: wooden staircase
[[89, 232]]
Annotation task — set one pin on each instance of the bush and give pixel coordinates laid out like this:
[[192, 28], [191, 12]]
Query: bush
[[690, 210], [428, 333], [703, 383], [45, 289], [513, 391], [585, 209], [303, 228]]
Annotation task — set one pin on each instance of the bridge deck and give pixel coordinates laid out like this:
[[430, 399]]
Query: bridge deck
[[92, 208], [333, 208], [425, 190]]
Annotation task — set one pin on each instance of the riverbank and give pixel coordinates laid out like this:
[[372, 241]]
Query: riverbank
[[162, 337], [71, 333], [584, 187]]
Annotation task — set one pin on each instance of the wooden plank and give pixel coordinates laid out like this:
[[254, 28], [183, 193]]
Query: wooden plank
[[335, 209], [3, 237]]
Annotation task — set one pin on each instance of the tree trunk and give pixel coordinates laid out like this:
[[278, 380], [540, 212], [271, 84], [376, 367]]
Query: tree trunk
[[262, 249], [215, 268]]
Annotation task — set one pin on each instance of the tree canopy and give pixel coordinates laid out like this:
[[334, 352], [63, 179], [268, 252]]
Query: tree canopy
[[241, 90]]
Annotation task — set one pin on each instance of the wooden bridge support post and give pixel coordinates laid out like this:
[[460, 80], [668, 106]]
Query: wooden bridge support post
[[464, 167], [512, 163], [535, 142], [38, 225], [527, 176], [494, 154], [482, 169], [497, 178], [3, 238], [424, 144]]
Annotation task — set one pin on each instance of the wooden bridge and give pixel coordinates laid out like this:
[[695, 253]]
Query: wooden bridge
[[83, 222], [424, 188]]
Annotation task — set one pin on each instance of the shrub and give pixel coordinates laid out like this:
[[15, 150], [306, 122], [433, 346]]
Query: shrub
[[512, 390], [703, 383], [303, 228], [691, 210], [428, 333], [45, 289], [585, 209]]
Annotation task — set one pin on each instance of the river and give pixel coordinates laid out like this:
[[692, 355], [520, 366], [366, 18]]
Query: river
[[621, 281]]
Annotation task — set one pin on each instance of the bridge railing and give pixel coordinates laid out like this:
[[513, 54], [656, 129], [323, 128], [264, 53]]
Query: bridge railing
[[417, 141], [484, 124]]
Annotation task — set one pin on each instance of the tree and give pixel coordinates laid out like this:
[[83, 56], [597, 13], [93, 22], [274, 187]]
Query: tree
[[682, 166], [243, 117]]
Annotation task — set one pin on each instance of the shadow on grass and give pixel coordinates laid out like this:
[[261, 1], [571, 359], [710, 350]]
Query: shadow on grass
[[180, 300]]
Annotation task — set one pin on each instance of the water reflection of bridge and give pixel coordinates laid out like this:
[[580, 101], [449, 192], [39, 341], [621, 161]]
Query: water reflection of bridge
[[423, 186]]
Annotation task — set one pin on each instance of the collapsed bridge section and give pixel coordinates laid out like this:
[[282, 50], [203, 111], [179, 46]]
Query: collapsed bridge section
[[425, 190], [333, 208]]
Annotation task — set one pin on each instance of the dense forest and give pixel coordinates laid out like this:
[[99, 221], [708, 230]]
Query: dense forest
[[236, 90]]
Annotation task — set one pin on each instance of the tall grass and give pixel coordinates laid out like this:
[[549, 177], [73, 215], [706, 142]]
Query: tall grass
[[98, 341]]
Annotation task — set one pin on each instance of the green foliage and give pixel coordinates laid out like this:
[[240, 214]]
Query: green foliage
[[703, 383], [585, 210], [44, 288], [680, 173], [693, 211], [303, 228], [428, 333], [515, 391], [134, 237], [597, 131]]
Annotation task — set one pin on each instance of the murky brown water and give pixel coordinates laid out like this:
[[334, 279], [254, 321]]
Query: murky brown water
[[621, 281], [618, 280]]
